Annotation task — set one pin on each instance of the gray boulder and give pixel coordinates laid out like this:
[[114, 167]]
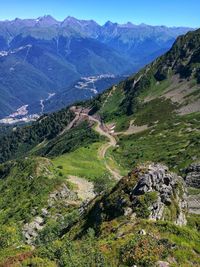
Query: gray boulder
[[192, 175], [170, 189]]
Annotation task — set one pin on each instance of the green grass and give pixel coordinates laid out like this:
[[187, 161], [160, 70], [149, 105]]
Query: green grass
[[112, 102], [122, 123], [174, 142], [157, 110], [156, 89], [79, 136], [193, 221], [83, 162], [119, 244], [25, 185], [193, 191], [110, 109], [187, 242], [114, 164]]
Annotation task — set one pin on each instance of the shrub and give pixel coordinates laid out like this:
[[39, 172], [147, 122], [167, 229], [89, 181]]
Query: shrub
[[143, 203], [142, 250]]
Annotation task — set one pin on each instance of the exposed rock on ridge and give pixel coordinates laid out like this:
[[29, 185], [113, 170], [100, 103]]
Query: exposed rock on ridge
[[64, 196], [149, 191], [193, 175], [168, 187]]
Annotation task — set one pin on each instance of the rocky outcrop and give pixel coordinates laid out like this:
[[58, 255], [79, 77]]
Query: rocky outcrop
[[30, 230], [162, 264], [192, 179], [63, 196], [192, 175], [169, 188], [150, 191], [194, 204]]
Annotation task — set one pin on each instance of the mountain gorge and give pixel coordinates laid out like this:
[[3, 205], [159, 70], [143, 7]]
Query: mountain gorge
[[42, 56]]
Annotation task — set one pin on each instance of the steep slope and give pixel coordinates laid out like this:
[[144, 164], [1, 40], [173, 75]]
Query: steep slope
[[33, 192], [141, 43], [24, 139], [113, 230], [83, 89], [163, 100]]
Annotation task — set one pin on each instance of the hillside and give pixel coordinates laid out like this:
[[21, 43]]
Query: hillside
[[43, 56], [113, 181], [156, 104]]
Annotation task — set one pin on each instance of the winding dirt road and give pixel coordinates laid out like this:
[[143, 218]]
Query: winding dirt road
[[101, 129], [85, 189], [102, 151]]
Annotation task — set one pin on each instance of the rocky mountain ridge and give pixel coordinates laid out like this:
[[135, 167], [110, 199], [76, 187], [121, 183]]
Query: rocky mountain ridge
[[149, 191]]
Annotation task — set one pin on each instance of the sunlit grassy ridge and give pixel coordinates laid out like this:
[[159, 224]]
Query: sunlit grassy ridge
[[83, 162]]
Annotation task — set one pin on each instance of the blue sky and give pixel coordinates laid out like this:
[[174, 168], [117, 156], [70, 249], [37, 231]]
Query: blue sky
[[154, 12]]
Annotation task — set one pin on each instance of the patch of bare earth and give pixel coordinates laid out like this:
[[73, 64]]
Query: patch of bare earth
[[84, 188], [180, 92], [190, 108], [109, 95], [133, 129]]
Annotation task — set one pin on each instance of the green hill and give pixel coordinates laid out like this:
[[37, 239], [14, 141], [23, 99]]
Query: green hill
[[147, 126]]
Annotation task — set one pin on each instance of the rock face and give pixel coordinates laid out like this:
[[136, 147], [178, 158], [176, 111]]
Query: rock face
[[63, 196], [192, 173], [30, 230], [169, 189], [150, 191], [194, 204], [63, 193], [192, 179]]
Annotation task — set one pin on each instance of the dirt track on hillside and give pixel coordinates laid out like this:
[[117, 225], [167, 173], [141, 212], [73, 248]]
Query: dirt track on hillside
[[102, 130], [102, 151], [85, 189]]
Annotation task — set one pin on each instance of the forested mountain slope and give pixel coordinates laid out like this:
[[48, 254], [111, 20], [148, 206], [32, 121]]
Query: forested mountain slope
[[146, 126]]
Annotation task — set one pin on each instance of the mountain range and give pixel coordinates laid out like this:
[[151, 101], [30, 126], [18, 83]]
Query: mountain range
[[111, 181], [43, 56]]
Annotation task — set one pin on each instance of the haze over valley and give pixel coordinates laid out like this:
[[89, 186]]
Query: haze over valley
[[44, 56]]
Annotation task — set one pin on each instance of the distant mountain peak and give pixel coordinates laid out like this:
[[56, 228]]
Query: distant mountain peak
[[46, 20], [110, 24], [72, 21], [17, 19], [71, 18], [127, 25]]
